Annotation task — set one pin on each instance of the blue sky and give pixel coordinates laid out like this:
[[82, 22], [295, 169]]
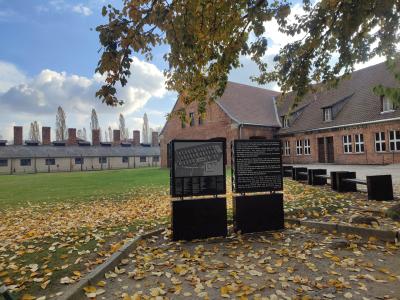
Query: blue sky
[[48, 57]]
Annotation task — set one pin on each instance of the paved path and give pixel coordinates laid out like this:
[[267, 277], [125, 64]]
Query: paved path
[[294, 264]]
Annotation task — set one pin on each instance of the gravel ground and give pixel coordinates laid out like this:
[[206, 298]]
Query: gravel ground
[[297, 263]]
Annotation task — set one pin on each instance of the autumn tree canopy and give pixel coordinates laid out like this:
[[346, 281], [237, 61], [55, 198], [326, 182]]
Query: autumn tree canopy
[[206, 38]]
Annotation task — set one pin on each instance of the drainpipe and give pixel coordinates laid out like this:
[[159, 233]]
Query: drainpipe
[[240, 131]]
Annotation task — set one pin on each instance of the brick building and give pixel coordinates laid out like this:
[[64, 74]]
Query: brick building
[[227, 118], [345, 125]]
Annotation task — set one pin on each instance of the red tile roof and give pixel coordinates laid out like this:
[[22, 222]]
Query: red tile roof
[[360, 103], [250, 105]]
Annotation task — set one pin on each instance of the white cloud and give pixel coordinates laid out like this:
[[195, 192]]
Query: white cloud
[[39, 97], [82, 9], [10, 76]]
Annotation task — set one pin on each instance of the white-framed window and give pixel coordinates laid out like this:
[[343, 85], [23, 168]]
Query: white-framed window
[[394, 140], [285, 122], [50, 161], [299, 147], [387, 104], [286, 148], [307, 147], [359, 143], [380, 142], [327, 114], [347, 144]]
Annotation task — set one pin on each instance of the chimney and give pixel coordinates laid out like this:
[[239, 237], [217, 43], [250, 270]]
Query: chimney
[[17, 135], [71, 137], [46, 131], [116, 136], [136, 138], [154, 139], [95, 137]]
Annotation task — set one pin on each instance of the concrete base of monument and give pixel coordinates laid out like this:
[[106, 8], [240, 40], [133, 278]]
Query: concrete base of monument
[[258, 213], [199, 218]]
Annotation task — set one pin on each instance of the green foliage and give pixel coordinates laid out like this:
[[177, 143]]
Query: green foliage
[[207, 37]]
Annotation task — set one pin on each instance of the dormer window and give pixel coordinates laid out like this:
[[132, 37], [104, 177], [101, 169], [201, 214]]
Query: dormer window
[[327, 114], [285, 122], [387, 104]]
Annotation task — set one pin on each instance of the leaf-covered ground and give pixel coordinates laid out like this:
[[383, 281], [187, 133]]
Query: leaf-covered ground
[[54, 230], [295, 264]]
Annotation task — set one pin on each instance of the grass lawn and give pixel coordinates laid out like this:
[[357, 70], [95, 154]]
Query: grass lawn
[[19, 190]]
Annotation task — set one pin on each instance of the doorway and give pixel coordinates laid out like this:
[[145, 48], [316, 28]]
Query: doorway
[[321, 150], [326, 152], [330, 150]]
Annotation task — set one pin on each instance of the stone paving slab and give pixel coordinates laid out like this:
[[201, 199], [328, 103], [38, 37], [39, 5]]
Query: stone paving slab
[[297, 263]]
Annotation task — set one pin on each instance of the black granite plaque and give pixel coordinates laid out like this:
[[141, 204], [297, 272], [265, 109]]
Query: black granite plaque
[[257, 166], [197, 168], [198, 218], [258, 213]]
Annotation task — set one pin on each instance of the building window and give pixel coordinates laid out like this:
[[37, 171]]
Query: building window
[[25, 162], [286, 148], [380, 143], [387, 104], [359, 143], [394, 140], [143, 159], [183, 124], [328, 114], [79, 160], [156, 158], [347, 144], [102, 160], [285, 122], [299, 147], [3, 162], [201, 120], [50, 161], [125, 159], [307, 147], [191, 118]]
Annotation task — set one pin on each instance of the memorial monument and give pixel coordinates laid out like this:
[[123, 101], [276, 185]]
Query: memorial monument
[[257, 169], [198, 169]]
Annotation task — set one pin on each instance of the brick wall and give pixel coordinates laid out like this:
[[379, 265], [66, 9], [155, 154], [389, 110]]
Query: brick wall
[[216, 124], [369, 156], [46, 135]]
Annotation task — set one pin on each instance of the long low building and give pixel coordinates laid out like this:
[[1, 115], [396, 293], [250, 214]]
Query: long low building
[[76, 155]]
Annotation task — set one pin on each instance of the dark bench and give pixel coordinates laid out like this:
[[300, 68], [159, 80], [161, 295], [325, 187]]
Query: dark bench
[[379, 187], [299, 173], [287, 171], [317, 176]]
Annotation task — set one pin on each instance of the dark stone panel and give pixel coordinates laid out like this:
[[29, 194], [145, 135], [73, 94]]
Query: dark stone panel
[[380, 187], [344, 186], [199, 218], [287, 171], [297, 176], [313, 179], [258, 213], [334, 180]]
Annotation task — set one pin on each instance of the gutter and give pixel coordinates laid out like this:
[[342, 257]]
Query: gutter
[[341, 126]]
